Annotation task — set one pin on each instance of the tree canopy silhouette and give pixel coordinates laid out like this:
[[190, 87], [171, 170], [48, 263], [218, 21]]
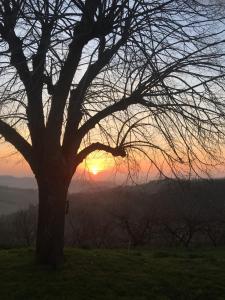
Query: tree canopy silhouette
[[112, 75]]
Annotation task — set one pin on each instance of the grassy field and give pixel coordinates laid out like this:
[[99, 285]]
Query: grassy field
[[114, 274]]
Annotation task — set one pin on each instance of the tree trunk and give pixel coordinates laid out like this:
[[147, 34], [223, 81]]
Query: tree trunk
[[51, 220]]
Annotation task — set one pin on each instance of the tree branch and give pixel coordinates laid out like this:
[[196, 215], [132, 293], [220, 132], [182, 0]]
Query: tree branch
[[77, 96], [19, 61], [13, 137], [83, 32], [117, 151], [123, 104]]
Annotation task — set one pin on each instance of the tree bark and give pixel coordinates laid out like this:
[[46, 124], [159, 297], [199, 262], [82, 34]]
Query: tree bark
[[51, 220]]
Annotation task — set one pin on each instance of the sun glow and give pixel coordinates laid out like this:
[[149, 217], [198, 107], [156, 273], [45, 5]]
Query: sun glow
[[95, 166], [98, 163], [94, 170]]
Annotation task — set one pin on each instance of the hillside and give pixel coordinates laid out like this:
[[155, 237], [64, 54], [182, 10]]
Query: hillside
[[18, 193], [77, 185], [14, 199], [164, 213], [158, 193]]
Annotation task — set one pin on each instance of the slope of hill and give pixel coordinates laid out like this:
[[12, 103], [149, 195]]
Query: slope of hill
[[19, 193], [76, 186], [18, 182], [158, 213], [14, 199]]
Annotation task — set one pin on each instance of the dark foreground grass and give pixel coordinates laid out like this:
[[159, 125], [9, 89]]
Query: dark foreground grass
[[114, 274]]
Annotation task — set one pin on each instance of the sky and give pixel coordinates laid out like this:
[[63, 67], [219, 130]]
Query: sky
[[100, 167], [97, 167]]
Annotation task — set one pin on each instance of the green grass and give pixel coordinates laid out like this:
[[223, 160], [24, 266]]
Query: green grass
[[115, 274]]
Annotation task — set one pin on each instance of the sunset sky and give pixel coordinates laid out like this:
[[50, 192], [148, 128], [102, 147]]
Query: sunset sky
[[99, 166]]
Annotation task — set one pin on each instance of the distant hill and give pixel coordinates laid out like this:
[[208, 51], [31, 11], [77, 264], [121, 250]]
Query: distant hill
[[19, 193], [75, 187], [164, 213], [14, 199], [18, 182], [161, 193]]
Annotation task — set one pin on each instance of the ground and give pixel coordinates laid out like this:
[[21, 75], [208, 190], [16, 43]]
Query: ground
[[115, 274]]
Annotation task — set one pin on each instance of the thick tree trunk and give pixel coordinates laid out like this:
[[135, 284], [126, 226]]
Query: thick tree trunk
[[51, 220]]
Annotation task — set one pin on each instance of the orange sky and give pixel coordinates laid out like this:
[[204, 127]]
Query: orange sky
[[98, 166]]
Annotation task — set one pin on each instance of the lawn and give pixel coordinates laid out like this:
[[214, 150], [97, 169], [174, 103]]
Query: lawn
[[115, 274]]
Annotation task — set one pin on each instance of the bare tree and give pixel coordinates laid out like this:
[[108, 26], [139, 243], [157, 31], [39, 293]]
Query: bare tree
[[117, 76]]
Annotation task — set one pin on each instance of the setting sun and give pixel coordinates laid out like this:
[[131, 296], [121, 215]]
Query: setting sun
[[97, 162], [94, 170], [96, 165]]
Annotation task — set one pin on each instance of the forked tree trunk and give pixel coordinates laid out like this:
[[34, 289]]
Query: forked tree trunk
[[51, 221]]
